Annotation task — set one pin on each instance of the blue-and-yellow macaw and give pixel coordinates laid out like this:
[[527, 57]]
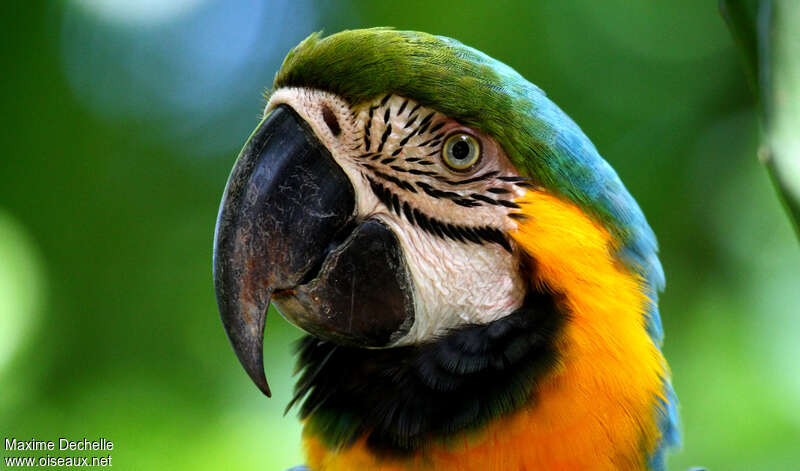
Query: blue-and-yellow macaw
[[479, 288]]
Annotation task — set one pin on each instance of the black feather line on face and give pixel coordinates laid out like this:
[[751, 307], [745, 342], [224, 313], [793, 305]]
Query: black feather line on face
[[403, 398], [477, 235], [402, 107], [416, 171], [384, 136], [405, 139], [437, 127], [478, 178]]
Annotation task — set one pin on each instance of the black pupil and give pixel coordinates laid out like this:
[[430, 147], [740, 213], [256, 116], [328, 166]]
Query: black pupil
[[460, 150]]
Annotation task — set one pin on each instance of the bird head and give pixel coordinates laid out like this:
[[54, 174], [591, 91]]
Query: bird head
[[402, 187]]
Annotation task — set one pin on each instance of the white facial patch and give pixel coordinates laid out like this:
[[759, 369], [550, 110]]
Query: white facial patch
[[457, 283], [451, 225]]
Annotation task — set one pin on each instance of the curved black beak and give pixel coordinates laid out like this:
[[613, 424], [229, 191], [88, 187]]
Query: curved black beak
[[287, 232], [285, 201]]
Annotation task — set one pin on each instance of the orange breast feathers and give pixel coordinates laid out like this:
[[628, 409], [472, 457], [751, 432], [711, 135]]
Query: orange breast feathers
[[597, 410]]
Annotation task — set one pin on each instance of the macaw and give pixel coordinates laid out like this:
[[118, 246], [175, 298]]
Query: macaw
[[478, 287]]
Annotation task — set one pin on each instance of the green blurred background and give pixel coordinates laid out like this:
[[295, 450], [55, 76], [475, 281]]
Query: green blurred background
[[121, 119]]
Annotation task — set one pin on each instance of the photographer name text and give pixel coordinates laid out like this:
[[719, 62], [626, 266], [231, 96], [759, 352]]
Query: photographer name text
[[64, 444]]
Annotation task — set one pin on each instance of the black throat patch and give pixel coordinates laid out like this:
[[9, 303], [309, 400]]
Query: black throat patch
[[404, 397]]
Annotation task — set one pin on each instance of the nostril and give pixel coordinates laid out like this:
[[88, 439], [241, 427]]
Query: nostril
[[330, 120]]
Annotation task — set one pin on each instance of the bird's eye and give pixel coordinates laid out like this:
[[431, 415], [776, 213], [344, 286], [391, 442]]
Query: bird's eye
[[461, 151]]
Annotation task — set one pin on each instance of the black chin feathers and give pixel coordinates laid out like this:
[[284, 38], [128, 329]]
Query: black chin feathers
[[403, 397]]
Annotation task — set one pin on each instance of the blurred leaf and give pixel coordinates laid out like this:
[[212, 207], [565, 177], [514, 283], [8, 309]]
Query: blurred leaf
[[768, 33]]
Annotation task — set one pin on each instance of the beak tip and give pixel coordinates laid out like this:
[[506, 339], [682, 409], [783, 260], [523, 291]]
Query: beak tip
[[250, 355], [246, 338], [244, 321], [261, 382]]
